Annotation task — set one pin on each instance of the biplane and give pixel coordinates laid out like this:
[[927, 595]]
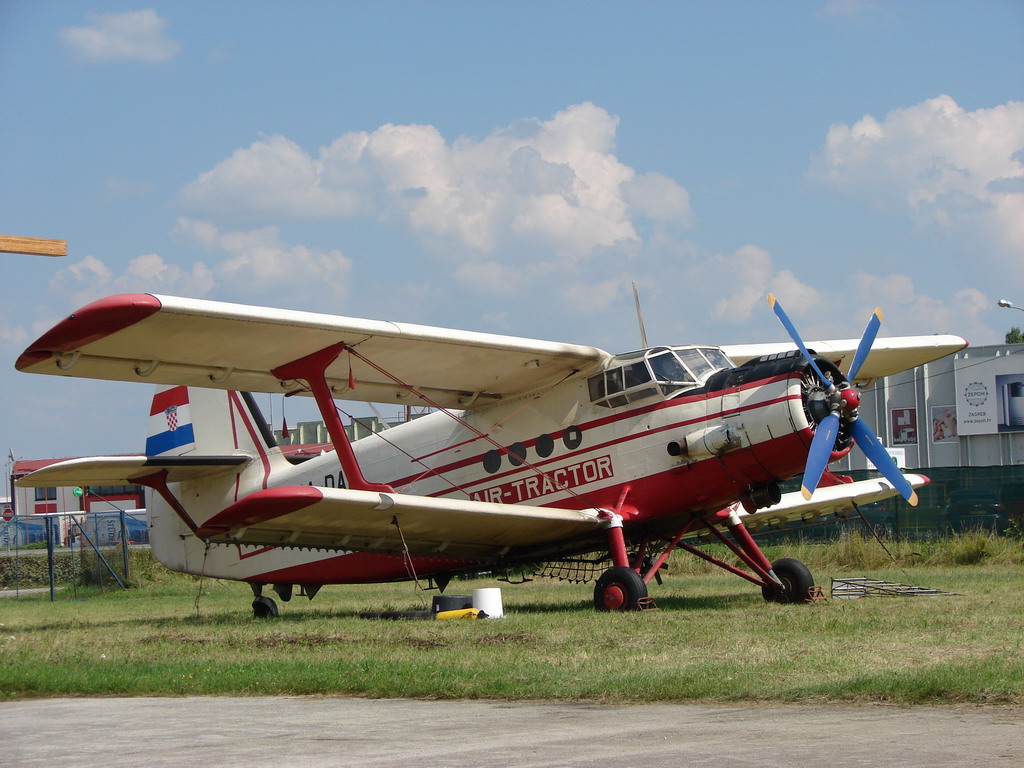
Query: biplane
[[533, 451]]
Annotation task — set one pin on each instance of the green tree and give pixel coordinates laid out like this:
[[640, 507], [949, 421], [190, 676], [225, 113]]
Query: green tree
[[1014, 336]]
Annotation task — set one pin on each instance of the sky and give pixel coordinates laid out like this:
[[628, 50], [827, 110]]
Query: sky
[[508, 167]]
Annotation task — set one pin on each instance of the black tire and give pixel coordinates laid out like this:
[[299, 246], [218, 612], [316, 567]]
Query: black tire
[[796, 582], [619, 589], [264, 608]]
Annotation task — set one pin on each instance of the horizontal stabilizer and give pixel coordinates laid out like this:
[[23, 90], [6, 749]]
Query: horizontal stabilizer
[[127, 470], [343, 519]]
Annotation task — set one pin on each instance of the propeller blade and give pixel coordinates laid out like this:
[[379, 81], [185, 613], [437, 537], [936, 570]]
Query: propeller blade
[[791, 330], [883, 462], [821, 451], [865, 344]]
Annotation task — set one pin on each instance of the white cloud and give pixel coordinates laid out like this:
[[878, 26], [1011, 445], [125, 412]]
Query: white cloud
[[82, 281], [556, 184], [659, 198], [12, 335], [740, 282], [490, 276], [248, 264], [150, 273], [91, 279], [259, 263], [908, 312], [961, 172], [129, 36], [588, 298]]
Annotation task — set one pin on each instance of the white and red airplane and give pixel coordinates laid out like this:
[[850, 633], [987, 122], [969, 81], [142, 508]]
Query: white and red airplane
[[536, 452]]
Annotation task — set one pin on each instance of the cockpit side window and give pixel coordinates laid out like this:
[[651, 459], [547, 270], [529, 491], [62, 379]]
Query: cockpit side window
[[668, 370], [648, 373], [695, 361], [718, 359]]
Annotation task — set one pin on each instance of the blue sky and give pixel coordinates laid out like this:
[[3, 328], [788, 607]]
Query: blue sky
[[507, 167]]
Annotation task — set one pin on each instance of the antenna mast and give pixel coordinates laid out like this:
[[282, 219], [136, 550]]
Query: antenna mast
[[640, 317]]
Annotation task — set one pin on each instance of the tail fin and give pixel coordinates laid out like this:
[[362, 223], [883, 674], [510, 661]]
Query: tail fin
[[195, 433], [171, 432], [206, 422]]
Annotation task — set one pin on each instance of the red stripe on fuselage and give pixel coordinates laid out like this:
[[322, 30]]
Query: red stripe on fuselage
[[609, 444], [703, 486], [612, 419]]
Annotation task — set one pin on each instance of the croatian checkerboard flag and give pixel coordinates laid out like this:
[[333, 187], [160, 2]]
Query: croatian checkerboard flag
[[170, 423]]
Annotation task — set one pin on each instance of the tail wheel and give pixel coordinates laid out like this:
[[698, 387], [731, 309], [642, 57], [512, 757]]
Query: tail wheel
[[264, 608], [796, 582], [619, 589]]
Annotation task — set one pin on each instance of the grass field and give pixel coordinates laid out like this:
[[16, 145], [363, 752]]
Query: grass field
[[713, 639]]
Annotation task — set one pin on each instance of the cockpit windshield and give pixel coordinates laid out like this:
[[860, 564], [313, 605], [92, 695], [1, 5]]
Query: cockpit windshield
[[659, 371]]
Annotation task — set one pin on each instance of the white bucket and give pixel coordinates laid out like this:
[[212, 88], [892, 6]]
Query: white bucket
[[489, 601]]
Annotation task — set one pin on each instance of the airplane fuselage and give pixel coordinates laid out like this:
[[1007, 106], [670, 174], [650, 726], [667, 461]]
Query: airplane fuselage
[[654, 462]]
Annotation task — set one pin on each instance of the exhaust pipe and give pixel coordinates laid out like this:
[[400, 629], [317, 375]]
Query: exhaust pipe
[[761, 496]]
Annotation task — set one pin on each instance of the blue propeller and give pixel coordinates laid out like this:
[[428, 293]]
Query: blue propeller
[[842, 402]]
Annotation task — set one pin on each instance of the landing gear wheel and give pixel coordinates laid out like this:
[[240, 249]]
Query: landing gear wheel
[[796, 582], [619, 589], [264, 608]]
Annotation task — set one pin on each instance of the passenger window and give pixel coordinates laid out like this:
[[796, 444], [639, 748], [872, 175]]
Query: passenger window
[[636, 374], [613, 381]]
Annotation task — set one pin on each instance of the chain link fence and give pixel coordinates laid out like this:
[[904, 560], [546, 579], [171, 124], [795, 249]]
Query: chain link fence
[[65, 553], [958, 500]]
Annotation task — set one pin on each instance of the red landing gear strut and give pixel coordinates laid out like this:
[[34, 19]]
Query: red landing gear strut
[[623, 588], [620, 588]]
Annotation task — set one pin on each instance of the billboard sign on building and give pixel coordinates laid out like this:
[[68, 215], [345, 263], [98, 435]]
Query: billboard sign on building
[[944, 429], [990, 394], [904, 426]]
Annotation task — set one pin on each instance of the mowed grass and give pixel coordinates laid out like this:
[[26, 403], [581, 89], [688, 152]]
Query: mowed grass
[[713, 639]]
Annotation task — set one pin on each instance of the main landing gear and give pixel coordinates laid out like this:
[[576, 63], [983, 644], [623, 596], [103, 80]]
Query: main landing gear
[[796, 582], [620, 588], [623, 587]]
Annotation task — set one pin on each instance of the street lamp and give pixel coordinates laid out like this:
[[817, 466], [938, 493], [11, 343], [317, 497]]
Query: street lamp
[[1009, 305]]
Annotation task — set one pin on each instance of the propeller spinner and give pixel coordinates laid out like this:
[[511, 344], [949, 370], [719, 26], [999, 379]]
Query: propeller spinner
[[839, 406]]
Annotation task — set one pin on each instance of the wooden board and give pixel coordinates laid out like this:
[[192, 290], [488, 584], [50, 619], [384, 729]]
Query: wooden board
[[35, 246]]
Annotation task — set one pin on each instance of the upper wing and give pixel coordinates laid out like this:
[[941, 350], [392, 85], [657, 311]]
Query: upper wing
[[888, 356], [309, 516], [170, 340], [827, 500], [127, 470]]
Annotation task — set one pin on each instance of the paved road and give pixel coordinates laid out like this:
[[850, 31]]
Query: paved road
[[314, 732]]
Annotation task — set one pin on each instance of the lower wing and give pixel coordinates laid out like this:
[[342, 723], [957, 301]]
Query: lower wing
[[330, 518], [827, 500]]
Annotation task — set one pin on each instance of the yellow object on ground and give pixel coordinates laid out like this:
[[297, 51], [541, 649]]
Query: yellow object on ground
[[464, 613]]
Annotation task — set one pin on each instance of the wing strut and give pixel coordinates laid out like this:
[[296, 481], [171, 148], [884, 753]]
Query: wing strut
[[313, 369]]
